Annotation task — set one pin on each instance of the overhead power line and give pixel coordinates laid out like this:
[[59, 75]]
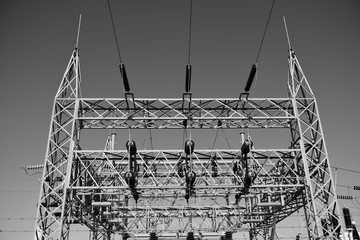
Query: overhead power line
[[345, 169], [266, 27], [113, 26]]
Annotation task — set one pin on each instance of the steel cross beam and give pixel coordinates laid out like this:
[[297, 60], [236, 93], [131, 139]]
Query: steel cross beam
[[169, 113]]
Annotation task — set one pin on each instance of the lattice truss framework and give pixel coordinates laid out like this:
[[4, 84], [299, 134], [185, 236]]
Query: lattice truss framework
[[89, 187]]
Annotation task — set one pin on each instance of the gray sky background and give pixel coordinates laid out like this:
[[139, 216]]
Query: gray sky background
[[37, 38]]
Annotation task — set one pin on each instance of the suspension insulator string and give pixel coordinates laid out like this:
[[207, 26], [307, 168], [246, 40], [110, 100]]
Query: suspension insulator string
[[188, 66], [124, 77], [188, 78]]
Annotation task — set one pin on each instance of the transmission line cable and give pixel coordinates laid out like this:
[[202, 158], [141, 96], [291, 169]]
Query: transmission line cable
[[113, 26], [266, 27], [190, 26], [295, 22], [345, 169], [254, 66]]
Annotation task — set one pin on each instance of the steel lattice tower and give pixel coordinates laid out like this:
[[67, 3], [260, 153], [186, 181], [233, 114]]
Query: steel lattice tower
[[94, 188]]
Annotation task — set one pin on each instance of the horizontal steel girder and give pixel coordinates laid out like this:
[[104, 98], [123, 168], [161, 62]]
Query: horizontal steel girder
[[169, 113]]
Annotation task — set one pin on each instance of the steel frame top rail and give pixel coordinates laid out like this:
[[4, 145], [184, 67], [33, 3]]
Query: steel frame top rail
[[103, 113]]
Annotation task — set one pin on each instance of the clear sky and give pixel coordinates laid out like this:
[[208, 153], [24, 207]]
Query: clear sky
[[37, 38]]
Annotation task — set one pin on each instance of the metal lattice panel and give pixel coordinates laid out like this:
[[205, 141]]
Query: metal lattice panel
[[135, 194]]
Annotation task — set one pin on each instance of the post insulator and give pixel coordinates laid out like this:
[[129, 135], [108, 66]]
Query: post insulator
[[189, 147], [124, 77], [251, 78], [131, 147]]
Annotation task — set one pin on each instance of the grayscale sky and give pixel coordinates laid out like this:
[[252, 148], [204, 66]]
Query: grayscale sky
[[37, 38]]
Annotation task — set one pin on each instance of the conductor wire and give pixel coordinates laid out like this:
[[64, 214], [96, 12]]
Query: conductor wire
[[113, 26], [190, 25], [266, 27]]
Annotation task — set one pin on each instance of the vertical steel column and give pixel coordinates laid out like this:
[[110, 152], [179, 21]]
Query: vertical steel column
[[308, 135], [53, 209]]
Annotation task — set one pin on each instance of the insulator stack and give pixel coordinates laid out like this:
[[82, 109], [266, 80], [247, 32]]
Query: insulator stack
[[190, 179], [251, 78], [130, 179], [124, 77], [131, 147], [189, 147], [190, 236], [246, 147], [35, 167], [188, 78], [247, 180]]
